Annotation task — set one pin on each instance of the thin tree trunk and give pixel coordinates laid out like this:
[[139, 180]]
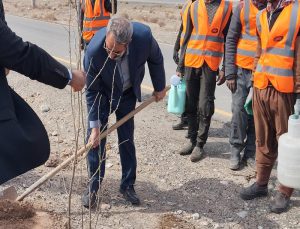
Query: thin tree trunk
[[33, 4]]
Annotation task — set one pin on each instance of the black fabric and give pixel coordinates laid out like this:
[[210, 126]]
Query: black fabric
[[23, 139], [200, 107], [24, 144]]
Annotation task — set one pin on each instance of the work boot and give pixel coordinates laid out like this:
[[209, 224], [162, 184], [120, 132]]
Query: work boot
[[180, 126], [234, 158], [197, 153], [234, 164], [187, 149], [254, 191], [88, 199], [280, 203], [130, 195]]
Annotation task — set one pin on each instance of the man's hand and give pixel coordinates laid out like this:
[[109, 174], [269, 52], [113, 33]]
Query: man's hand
[[94, 137], [6, 71], [175, 57], [231, 84], [221, 78], [179, 74], [159, 95], [78, 80]]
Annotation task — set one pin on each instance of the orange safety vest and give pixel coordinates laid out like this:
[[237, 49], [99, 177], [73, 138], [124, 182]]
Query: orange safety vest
[[207, 41], [94, 18], [184, 16], [276, 62], [247, 44]]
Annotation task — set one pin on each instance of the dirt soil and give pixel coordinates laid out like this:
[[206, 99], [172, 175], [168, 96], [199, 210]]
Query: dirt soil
[[175, 193]]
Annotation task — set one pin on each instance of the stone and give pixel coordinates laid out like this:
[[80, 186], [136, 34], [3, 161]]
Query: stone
[[224, 182], [179, 212], [105, 207], [54, 133], [45, 108], [196, 216], [109, 165], [242, 214]]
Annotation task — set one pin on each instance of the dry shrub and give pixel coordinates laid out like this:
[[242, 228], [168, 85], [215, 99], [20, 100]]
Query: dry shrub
[[50, 17]]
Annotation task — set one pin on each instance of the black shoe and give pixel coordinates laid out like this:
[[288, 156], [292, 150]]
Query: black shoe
[[89, 200], [234, 165], [197, 154], [180, 126], [130, 195], [254, 191], [187, 149], [280, 203]]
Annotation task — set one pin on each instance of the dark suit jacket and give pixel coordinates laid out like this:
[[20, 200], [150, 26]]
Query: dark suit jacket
[[23, 140], [143, 48]]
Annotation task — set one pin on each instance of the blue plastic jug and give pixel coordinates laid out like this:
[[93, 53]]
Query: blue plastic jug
[[176, 100]]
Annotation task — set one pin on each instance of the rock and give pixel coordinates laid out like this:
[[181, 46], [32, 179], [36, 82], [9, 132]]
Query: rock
[[109, 165], [196, 216], [179, 212], [105, 207], [216, 226], [242, 214], [54, 133], [204, 223], [259, 227], [224, 182], [45, 108]]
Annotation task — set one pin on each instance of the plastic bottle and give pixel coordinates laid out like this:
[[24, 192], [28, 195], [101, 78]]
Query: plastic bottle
[[176, 100], [289, 154]]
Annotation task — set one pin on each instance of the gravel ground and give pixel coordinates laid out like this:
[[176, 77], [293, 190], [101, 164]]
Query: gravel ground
[[175, 193]]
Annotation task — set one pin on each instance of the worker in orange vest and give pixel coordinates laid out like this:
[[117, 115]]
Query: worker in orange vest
[[201, 54], [95, 15], [276, 86], [183, 14], [241, 42]]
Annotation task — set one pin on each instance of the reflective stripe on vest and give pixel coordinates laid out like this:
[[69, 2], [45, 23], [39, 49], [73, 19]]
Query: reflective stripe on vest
[[246, 47], [95, 18], [278, 45], [207, 41]]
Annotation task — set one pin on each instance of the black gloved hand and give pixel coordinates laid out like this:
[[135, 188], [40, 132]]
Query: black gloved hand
[[231, 84]]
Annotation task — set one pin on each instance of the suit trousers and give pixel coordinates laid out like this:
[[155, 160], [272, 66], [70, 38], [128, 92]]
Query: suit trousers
[[271, 110], [200, 107], [96, 157], [242, 132]]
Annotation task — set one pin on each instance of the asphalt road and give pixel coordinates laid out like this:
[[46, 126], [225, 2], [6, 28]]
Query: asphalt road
[[156, 1], [54, 38]]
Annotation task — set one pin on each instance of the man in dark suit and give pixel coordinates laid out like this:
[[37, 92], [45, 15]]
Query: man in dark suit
[[115, 65], [24, 143]]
